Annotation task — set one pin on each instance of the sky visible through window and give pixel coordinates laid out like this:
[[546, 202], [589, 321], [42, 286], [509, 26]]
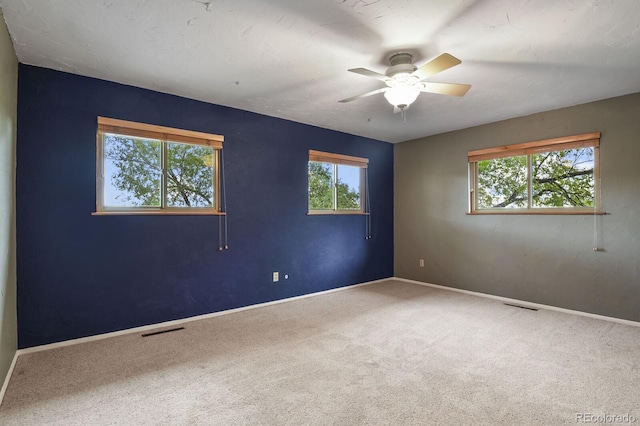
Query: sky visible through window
[[350, 175], [147, 163]]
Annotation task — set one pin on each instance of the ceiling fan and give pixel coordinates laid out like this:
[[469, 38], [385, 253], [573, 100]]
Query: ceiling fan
[[404, 80]]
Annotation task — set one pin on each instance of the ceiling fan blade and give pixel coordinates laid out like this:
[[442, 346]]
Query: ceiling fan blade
[[369, 73], [439, 64], [364, 95], [446, 88]]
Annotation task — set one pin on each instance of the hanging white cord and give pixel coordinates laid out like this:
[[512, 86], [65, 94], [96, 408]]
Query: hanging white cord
[[595, 228], [368, 205], [220, 232], [224, 202], [596, 243]]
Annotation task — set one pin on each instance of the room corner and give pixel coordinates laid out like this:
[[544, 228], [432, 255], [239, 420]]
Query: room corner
[[8, 114]]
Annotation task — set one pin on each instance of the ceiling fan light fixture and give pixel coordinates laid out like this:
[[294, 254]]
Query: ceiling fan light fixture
[[404, 80], [402, 96]]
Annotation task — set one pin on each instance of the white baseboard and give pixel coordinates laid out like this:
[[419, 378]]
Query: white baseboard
[[183, 320], [5, 384], [290, 299], [162, 325], [523, 302]]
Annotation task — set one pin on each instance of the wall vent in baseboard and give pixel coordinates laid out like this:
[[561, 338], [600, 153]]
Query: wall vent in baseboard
[[521, 307], [162, 331]]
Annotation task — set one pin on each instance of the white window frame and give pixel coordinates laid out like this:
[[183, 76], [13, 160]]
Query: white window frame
[[336, 160], [164, 135], [529, 148]]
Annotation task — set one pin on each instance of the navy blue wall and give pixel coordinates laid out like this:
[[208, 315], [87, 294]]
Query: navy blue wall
[[80, 275]]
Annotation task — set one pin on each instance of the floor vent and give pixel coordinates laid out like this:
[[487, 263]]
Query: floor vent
[[163, 331], [521, 307]]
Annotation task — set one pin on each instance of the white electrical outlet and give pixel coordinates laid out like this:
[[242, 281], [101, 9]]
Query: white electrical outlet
[[422, 263], [276, 277]]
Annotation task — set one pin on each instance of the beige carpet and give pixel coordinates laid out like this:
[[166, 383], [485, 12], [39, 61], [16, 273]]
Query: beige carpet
[[384, 354]]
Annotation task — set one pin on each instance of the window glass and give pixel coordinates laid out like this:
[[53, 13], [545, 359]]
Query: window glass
[[348, 187], [502, 182], [132, 171], [321, 184], [563, 178], [190, 171], [149, 169], [336, 183], [553, 176]]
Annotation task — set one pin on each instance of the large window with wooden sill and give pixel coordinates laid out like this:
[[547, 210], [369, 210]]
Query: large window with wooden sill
[[553, 176], [149, 169], [337, 183]]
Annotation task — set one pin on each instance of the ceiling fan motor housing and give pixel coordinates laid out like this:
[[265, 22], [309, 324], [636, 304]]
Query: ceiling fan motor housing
[[400, 65]]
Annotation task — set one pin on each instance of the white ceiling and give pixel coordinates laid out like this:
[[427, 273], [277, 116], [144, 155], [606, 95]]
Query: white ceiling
[[289, 58]]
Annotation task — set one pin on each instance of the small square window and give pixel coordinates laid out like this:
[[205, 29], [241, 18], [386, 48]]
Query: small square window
[[336, 183]]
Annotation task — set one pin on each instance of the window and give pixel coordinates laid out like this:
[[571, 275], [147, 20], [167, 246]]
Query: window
[[147, 169], [550, 176], [336, 183]]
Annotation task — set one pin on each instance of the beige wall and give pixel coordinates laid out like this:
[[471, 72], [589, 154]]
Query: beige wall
[[544, 259], [8, 108]]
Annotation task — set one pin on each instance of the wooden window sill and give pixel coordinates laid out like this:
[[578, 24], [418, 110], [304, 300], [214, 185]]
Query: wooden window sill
[[543, 212], [334, 212], [157, 213]]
